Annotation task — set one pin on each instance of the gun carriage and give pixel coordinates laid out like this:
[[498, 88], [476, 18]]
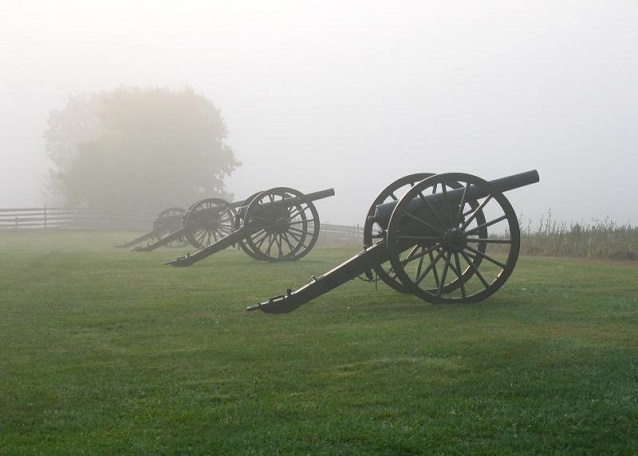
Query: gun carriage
[[279, 224], [166, 222], [449, 238]]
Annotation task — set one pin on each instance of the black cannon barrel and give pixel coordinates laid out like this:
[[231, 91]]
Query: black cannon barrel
[[306, 198], [244, 231], [384, 211]]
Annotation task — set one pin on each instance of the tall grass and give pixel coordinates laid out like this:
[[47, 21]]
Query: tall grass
[[602, 239]]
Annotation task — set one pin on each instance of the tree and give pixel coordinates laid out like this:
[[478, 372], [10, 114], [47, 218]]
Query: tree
[[75, 124], [134, 149]]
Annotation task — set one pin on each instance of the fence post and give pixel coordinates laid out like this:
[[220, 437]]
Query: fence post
[[45, 217]]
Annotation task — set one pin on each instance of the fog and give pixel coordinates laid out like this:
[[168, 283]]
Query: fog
[[353, 94]]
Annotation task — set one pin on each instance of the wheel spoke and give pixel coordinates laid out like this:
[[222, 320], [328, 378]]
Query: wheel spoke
[[276, 241], [419, 266], [435, 271], [475, 270], [412, 257], [291, 247], [296, 234], [459, 274], [476, 211], [490, 241], [296, 211], [446, 265], [486, 225], [302, 221], [271, 240], [432, 265], [487, 257], [259, 238]]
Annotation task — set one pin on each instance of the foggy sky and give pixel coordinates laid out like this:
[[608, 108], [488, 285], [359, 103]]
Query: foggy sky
[[353, 94]]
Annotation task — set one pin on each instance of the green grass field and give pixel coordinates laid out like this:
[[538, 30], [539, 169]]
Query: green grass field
[[108, 351]]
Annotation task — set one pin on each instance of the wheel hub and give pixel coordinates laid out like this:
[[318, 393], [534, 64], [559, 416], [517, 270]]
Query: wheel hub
[[213, 221], [282, 224], [454, 240]]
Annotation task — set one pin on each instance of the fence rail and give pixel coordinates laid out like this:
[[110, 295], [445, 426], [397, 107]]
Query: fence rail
[[64, 218], [342, 232]]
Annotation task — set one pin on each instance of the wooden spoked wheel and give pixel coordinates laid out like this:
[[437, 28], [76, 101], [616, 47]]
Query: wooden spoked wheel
[[373, 232], [277, 230], [167, 221], [208, 221], [467, 236]]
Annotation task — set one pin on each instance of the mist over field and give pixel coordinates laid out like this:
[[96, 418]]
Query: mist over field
[[352, 94]]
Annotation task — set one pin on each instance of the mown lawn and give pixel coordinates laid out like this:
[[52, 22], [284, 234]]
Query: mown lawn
[[108, 351]]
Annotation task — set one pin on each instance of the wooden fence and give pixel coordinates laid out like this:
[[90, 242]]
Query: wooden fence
[[60, 218], [63, 218]]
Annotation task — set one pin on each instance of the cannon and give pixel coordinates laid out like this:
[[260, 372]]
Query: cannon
[[449, 238], [166, 222], [279, 224], [203, 223]]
